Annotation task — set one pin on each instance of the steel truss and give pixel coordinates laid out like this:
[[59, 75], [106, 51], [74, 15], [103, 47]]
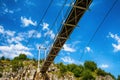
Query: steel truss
[[79, 8]]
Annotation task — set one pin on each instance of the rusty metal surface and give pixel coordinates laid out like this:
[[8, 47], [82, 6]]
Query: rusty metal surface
[[72, 20]]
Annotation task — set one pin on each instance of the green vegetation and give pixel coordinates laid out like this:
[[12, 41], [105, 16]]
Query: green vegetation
[[90, 65], [87, 71], [101, 72], [16, 64], [21, 57], [2, 58], [118, 77], [87, 75]]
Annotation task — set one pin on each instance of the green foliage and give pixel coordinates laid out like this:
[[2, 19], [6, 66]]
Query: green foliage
[[21, 57], [101, 72], [90, 65], [16, 64], [77, 72], [75, 69], [7, 59], [2, 58], [62, 67], [85, 71], [118, 77], [71, 67], [87, 75], [111, 76]]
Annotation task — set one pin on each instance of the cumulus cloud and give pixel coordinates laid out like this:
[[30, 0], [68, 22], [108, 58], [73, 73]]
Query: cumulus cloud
[[16, 39], [29, 3], [33, 33], [60, 3], [67, 59], [104, 66], [14, 43], [68, 48], [7, 32], [14, 50], [26, 22], [10, 33], [87, 49], [8, 11], [1, 29], [10, 36], [45, 26], [50, 33], [117, 39]]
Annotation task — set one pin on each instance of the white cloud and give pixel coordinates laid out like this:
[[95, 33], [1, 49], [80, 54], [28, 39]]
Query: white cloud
[[30, 33], [50, 33], [1, 29], [7, 32], [104, 66], [16, 39], [67, 59], [14, 50], [68, 48], [38, 35], [114, 36], [116, 47], [10, 33], [117, 39], [8, 11], [87, 49], [26, 22], [33, 33], [29, 3], [45, 26], [60, 3]]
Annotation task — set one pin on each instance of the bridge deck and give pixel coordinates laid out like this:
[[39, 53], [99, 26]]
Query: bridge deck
[[79, 7]]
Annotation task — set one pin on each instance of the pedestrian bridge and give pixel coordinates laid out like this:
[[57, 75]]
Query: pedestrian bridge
[[77, 11]]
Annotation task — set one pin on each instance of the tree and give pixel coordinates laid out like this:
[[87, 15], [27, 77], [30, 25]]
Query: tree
[[71, 67], [7, 59], [101, 72], [87, 75], [90, 65], [77, 72], [118, 77], [62, 67], [111, 76], [22, 57], [16, 64], [2, 58]]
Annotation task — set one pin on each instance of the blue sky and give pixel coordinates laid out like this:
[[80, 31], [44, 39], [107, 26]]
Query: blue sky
[[20, 18]]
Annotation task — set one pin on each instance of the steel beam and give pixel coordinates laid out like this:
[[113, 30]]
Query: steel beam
[[77, 11]]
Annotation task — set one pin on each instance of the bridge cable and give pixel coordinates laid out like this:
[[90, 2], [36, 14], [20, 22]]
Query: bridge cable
[[37, 27], [64, 17], [55, 20], [100, 25]]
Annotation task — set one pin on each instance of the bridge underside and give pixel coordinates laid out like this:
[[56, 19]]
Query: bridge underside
[[79, 8]]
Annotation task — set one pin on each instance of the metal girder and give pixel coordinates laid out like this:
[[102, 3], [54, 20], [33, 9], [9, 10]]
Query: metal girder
[[79, 7], [69, 25]]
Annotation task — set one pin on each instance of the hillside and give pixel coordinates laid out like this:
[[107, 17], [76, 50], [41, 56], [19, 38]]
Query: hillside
[[22, 68]]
